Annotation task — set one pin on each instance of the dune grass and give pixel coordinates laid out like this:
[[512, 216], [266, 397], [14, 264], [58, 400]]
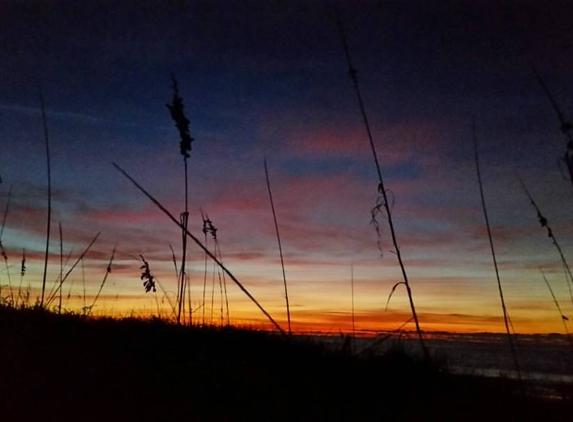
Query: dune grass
[[382, 190], [201, 246], [71, 365]]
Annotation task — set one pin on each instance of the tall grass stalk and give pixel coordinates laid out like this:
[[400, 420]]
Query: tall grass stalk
[[174, 260], [278, 241], [209, 228], [191, 310], [49, 222], [545, 224], [166, 296], [493, 255], [201, 246], [182, 124], [184, 218], [381, 187], [564, 319]]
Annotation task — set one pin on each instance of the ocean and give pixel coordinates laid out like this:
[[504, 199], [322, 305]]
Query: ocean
[[541, 357]]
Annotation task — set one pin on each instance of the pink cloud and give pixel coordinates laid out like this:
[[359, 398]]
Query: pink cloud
[[395, 143]]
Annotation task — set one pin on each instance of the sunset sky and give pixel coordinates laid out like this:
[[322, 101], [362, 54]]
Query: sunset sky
[[269, 78]]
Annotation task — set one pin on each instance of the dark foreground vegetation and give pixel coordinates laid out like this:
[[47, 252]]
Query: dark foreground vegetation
[[67, 367]]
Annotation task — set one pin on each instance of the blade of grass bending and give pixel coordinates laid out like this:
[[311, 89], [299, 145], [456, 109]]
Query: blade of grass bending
[[72, 283], [55, 285], [48, 226], [53, 296], [177, 277], [107, 272], [381, 187], [490, 238], [279, 241], [394, 287], [198, 242], [171, 305], [174, 261]]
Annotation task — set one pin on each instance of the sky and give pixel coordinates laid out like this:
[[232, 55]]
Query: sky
[[270, 79]]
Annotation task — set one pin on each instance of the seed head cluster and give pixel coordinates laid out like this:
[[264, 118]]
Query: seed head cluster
[[147, 277], [181, 122]]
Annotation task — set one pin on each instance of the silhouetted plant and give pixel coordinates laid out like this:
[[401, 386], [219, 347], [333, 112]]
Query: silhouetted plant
[[200, 245], [182, 124], [384, 203], [147, 277], [23, 264]]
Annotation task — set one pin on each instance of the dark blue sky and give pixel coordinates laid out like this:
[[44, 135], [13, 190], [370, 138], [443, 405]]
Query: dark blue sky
[[270, 78]]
